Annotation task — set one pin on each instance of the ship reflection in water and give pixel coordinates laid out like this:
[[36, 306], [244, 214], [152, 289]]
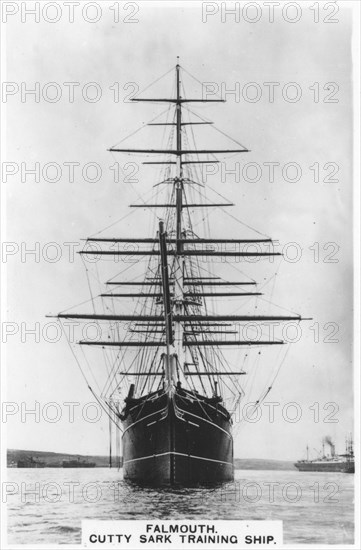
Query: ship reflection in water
[[330, 462], [316, 507]]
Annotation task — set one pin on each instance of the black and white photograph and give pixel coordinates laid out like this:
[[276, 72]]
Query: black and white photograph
[[180, 274]]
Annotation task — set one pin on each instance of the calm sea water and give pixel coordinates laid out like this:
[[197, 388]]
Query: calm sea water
[[47, 505]]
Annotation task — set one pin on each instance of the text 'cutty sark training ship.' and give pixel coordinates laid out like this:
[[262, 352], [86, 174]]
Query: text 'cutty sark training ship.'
[[168, 386]]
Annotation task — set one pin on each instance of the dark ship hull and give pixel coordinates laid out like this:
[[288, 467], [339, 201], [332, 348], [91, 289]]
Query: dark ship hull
[[177, 438], [326, 466]]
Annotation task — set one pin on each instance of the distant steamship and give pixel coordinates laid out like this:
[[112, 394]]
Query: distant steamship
[[330, 462]]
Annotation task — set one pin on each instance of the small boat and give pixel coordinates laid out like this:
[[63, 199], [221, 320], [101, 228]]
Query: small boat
[[77, 463], [30, 462]]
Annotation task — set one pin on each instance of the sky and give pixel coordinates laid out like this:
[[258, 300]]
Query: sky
[[311, 59]]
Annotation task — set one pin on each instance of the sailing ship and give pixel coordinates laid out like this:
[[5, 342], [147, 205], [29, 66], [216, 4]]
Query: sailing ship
[[168, 398], [331, 462]]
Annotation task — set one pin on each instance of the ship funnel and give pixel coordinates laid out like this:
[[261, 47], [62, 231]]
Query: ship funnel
[[328, 440]]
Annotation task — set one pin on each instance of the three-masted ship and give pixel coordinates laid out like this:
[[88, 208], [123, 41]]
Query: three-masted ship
[[175, 423]]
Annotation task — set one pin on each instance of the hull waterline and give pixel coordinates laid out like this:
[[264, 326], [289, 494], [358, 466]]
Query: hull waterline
[[326, 466]]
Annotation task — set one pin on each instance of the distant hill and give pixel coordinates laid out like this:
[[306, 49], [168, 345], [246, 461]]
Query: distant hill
[[56, 459]]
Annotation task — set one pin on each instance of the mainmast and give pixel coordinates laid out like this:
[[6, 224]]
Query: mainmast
[[179, 258], [179, 120]]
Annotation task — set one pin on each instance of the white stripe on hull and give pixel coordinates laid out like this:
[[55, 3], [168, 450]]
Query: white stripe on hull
[[174, 453], [177, 409]]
